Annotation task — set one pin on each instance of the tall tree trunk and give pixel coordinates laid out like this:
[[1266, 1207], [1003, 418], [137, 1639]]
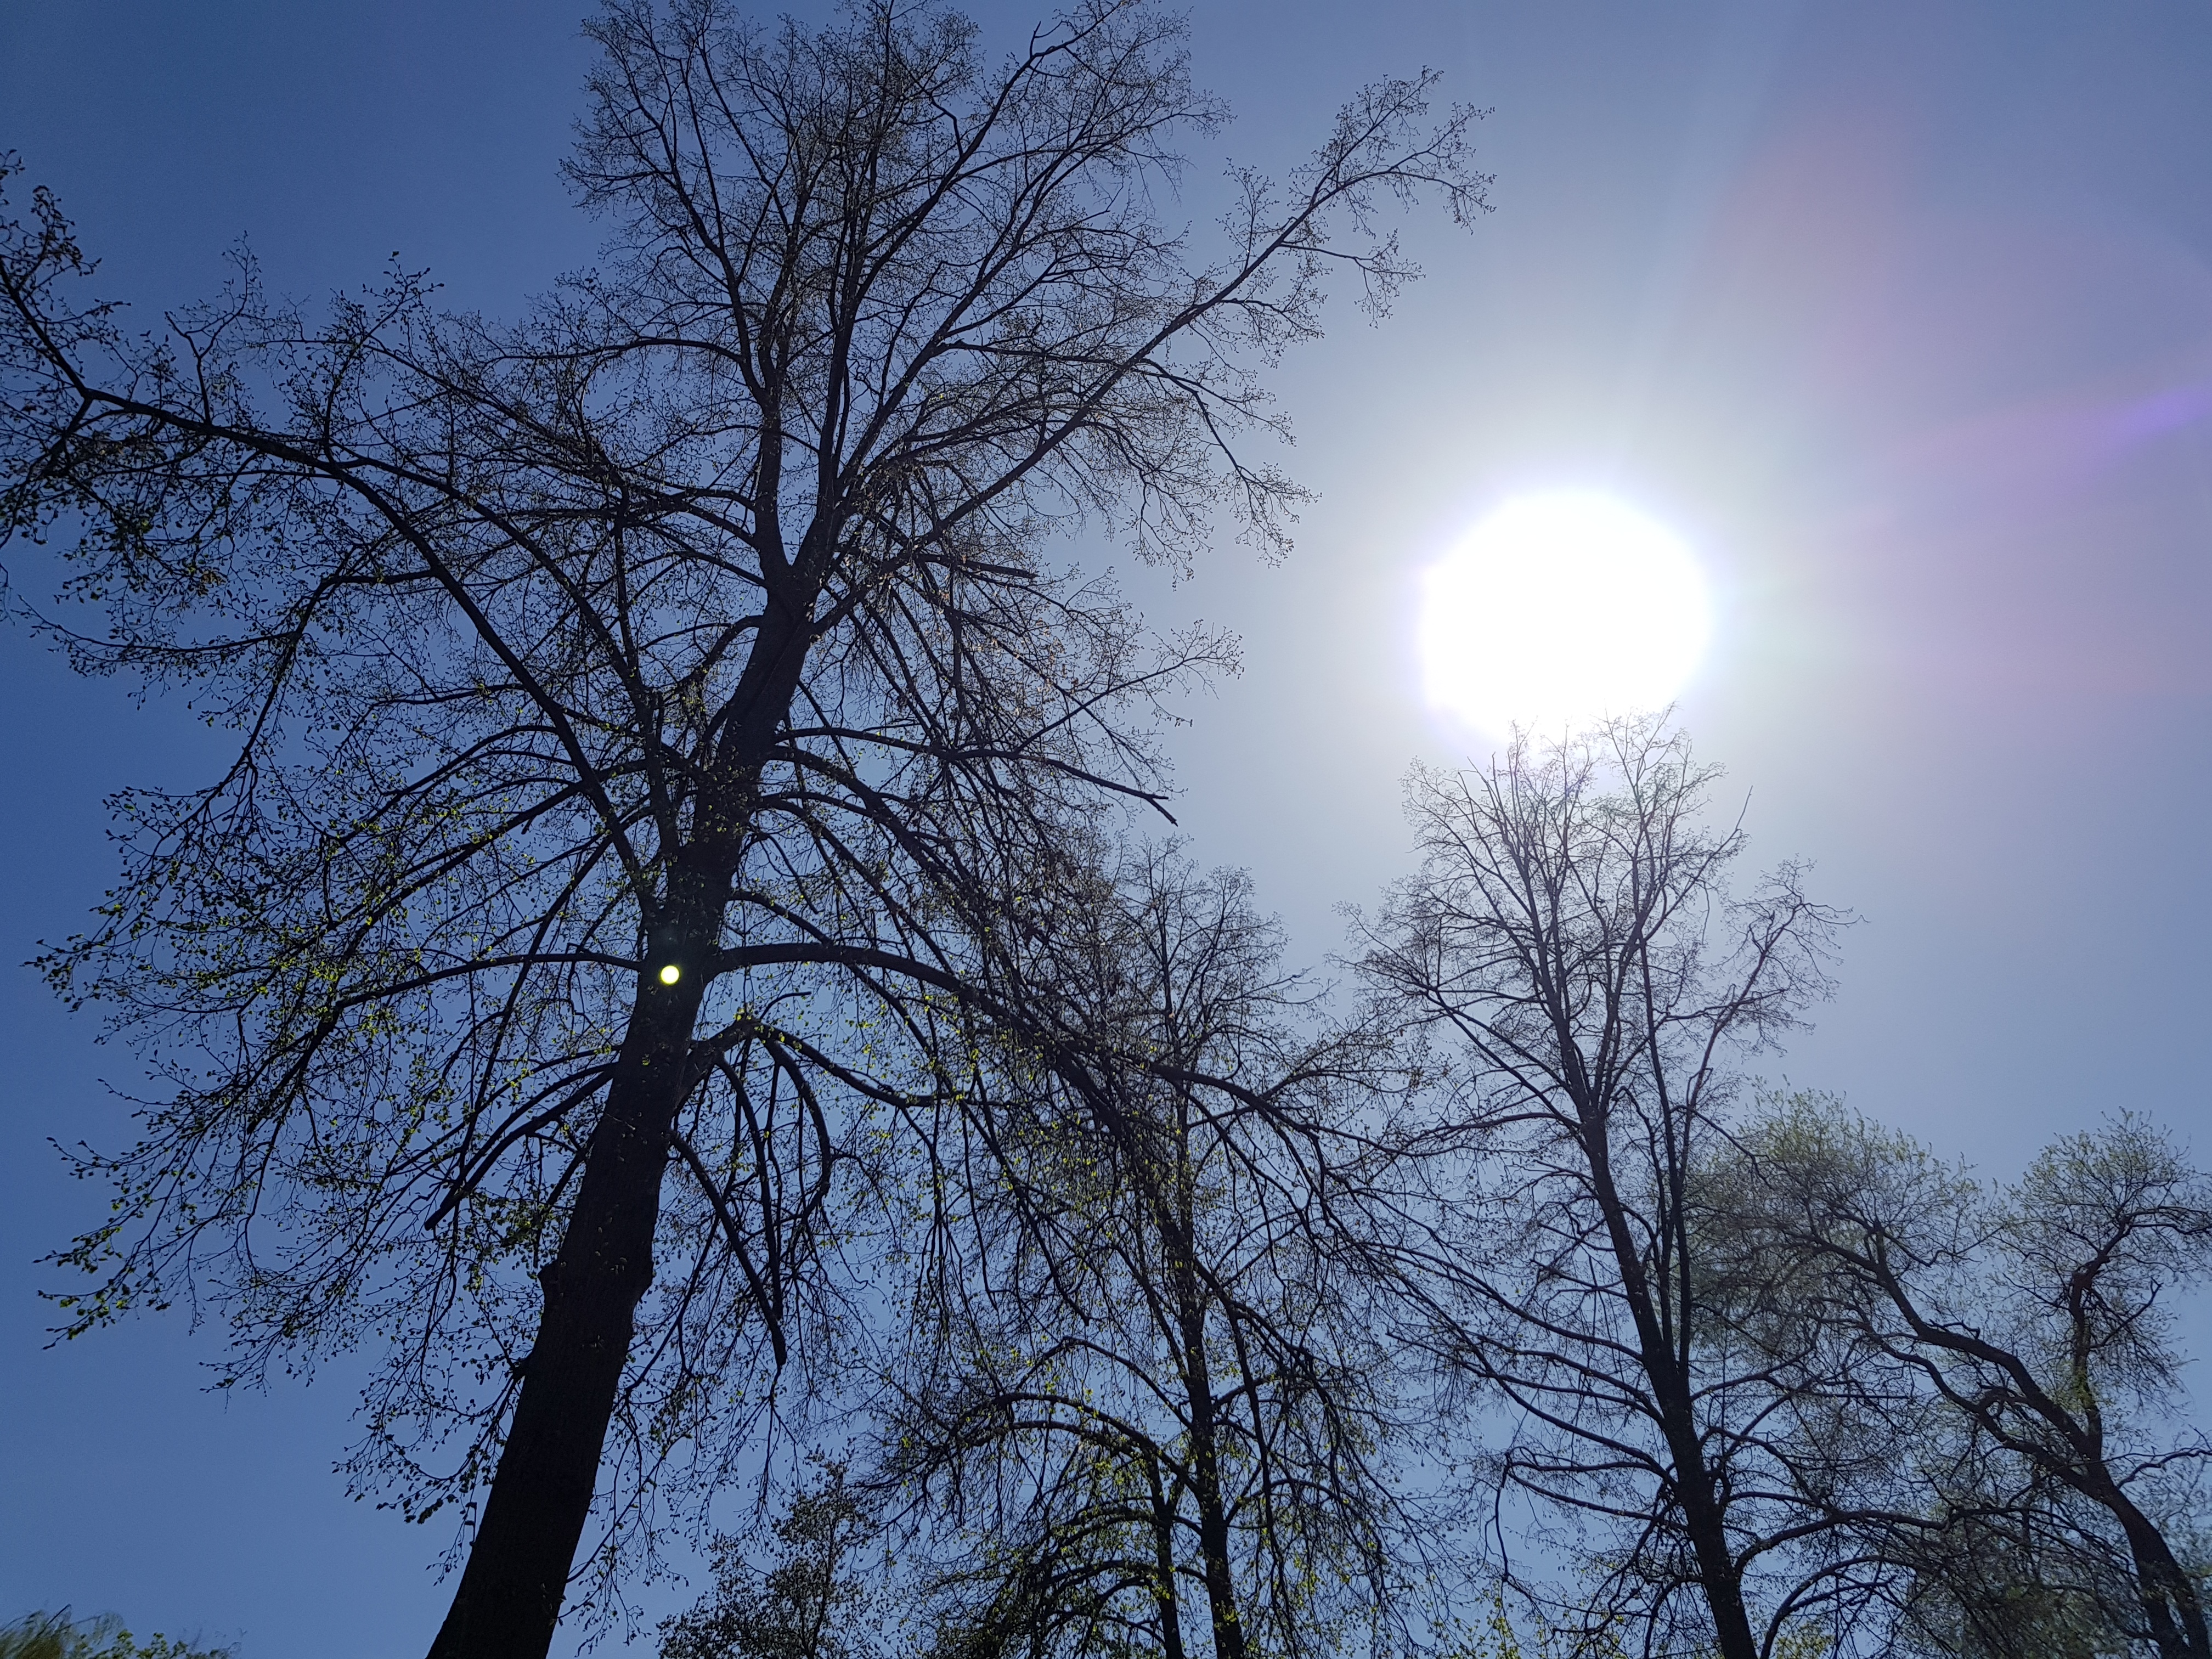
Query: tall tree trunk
[[1205, 1449], [1702, 1517], [1164, 1586], [508, 1601], [2169, 1595], [1205, 1489]]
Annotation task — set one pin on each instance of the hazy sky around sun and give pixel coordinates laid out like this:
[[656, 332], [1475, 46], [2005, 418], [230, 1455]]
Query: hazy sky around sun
[[1898, 315]]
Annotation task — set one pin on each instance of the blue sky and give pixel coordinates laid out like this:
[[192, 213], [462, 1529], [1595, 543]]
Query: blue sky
[[1900, 314]]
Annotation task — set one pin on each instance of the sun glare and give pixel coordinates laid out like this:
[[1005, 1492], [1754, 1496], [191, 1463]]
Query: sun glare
[[1561, 608]]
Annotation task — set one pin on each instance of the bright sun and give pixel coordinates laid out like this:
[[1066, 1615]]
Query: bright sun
[[1561, 608]]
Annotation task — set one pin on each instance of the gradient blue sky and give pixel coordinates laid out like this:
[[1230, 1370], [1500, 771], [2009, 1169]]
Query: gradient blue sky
[[1900, 313]]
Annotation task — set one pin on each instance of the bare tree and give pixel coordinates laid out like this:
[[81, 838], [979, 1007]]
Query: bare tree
[[1144, 1363], [2052, 1491], [1571, 947], [624, 699]]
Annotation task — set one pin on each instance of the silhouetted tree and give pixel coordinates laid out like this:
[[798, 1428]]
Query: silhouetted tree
[[809, 1604], [639, 708], [1571, 948], [1143, 1376], [2048, 1501]]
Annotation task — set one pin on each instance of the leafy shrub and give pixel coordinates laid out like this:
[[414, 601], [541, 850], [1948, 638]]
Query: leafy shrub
[[56, 1636]]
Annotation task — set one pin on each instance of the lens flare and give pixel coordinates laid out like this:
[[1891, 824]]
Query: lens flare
[[1557, 610], [671, 973]]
